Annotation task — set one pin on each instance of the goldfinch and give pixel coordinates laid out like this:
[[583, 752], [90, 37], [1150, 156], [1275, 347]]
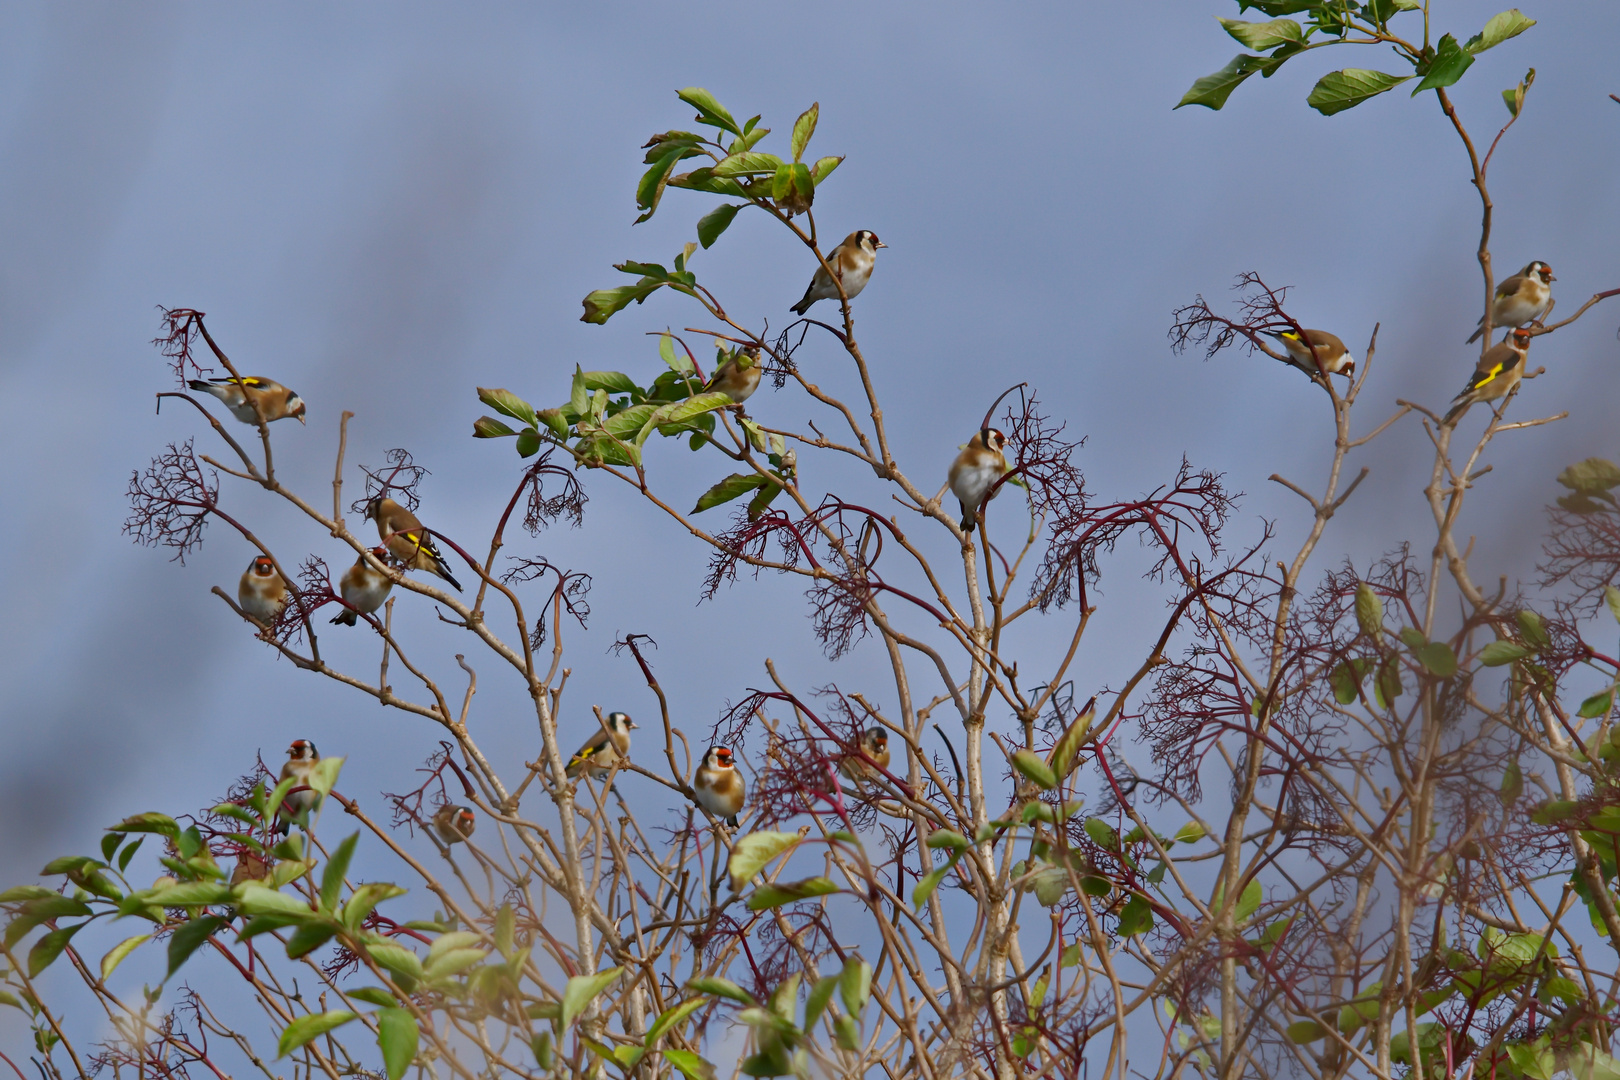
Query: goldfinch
[[301, 759], [1335, 358], [407, 541], [454, 823], [600, 750], [737, 376], [875, 745], [363, 588], [1498, 372], [719, 786], [851, 261], [1521, 298], [980, 464], [276, 400], [262, 592]]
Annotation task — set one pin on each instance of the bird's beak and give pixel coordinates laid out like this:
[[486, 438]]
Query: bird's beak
[[878, 245], [301, 419], [1551, 278]]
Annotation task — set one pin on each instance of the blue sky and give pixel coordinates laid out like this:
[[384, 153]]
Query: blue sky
[[385, 207]]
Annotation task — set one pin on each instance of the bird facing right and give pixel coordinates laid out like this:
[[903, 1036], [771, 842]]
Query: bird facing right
[[276, 400], [1335, 358], [454, 823], [975, 470], [875, 745], [1497, 372], [1522, 298], [718, 786], [604, 748], [851, 261], [737, 376]]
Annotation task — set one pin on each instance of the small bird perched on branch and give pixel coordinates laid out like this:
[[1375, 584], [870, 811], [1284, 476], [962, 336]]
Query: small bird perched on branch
[[407, 541], [363, 588], [875, 745], [975, 470], [737, 376], [262, 592], [851, 262], [1497, 373], [276, 400], [719, 786], [604, 748], [1522, 298], [1335, 358], [301, 759], [454, 823]]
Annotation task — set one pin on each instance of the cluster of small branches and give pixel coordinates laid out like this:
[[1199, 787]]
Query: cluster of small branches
[[170, 501], [570, 595], [1259, 314], [397, 479]]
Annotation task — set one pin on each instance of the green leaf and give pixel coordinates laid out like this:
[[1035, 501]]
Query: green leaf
[[1066, 751], [823, 168], [191, 894], [117, 953], [749, 163], [1050, 885], [253, 898], [307, 1028], [1413, 638], [451, 962], [947, 838], [1387, 688], [773, 896], [760, 502], [1438, 658], [855, 985], [1341, 90], [161, 824], [714, 984], [1510, 23], [1593, 476], [1306, 1031], [629, 422], [710, 111], [487, 427], [715, 222], [1369, 612], [373, 995], [189, 938], [1533, 629], [1554, 810], [696, 405], [650, 191], [750, 854], [1263, 36], [815, 1003], [1211, 91], [396, 1038], [396, 958], [1346, 683], [508, 404], [803, 128], [1361, 1009], [582, 990], [1597, 705], [1034, 769], [323, 777], [50, 946], [929, 882], [614, 382], [1249, 902], [1502, 652], [733, 486], [365, 898], [846, 1034], [1102, 834], [672, 1016], [1512, 783], [1611, 596], [336, 867], [1190, 833], [1135, 917], [19, 893], [1448, 65], [603, 304], [691, 1065]]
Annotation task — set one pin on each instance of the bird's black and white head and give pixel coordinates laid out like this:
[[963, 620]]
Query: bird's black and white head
[[302, 750], [264, 567], [868, 241], [875, 741], [719, 757], [993, 439], [1540, 271], [295, 406], [620, 723]]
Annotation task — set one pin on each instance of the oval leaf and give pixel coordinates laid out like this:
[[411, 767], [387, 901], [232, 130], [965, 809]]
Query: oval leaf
[[306, 1028], [750, 854], [715, 222], [116, 955], [581, 991], [1036, 770], [775, 895], [396, 1038], [1341, 90], [1502, 652]]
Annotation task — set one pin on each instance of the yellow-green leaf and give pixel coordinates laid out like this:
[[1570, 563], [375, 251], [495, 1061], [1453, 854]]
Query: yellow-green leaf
[[306, 1028]]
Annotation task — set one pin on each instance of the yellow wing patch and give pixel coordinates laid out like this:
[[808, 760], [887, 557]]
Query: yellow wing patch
[[1484, 377]]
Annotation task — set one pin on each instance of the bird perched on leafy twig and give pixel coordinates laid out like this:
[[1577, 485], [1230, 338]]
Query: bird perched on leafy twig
[[604, 748], [737, 376], [301, 760], [262, 591], [1497, 373], [1522, 298], [402, 534], [276, 400], [851, 261], [1335, 358], [363, 588], [718, 785]]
